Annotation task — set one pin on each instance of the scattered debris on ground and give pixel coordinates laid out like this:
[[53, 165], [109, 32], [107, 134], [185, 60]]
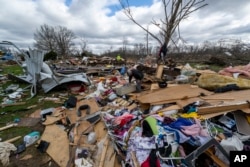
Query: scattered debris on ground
[[182, 117]]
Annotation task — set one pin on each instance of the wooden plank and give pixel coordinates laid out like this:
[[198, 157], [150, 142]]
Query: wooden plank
[[8, 126], [159, 71], [14, 104], [218, 161], [58, 148], [13, 139]]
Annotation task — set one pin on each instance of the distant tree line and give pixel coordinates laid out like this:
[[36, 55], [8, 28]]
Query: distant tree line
[[58, 43]]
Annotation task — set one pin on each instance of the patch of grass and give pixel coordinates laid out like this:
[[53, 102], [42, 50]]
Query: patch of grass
[[14, 132], [13, 69], [9, 113], [215, 68]]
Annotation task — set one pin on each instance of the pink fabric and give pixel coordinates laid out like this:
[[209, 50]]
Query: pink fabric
[[242, 70], [122, 120], [194, 130]]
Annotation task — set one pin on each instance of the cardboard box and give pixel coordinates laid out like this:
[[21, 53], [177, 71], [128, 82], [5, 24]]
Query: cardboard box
[[122, 90]]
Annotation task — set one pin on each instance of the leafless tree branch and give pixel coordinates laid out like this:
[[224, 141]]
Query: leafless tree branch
[[174, 10]]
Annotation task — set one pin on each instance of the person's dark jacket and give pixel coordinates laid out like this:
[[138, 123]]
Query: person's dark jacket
[[163, 50], [137, 74]]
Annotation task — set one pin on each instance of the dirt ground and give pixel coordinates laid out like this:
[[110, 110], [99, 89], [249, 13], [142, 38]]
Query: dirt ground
[[32, 156]]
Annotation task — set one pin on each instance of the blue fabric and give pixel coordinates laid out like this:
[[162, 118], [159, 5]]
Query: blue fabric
[[181, 122], [123, 70]]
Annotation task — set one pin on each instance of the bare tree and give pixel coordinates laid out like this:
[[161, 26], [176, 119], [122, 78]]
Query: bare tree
[[58, 39], [174, 10], [45, 38], [64, 38]]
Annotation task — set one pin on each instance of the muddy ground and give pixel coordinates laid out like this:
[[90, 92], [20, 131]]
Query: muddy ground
[[32, 157]]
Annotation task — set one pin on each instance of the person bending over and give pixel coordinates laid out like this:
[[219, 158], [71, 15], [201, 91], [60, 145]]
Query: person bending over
[[138, 75]]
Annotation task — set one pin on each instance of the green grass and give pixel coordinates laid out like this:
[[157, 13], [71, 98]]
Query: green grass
[[12, 69], [215, 68]]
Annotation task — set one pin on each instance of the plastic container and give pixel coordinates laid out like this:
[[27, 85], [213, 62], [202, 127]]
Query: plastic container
[[112, 96], [91, 138], [31, 138], [46, 112]]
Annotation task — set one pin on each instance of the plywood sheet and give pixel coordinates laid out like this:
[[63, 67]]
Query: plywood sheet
[[58, 149], [173, 93]]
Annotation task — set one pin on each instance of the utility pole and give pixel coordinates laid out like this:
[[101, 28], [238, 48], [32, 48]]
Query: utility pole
[[147, 39]]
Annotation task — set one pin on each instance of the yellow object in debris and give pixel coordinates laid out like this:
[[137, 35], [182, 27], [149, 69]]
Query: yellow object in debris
[[102, 79], [118, 57], [161, 114], [248, 118], [191, 115], [214, 81]]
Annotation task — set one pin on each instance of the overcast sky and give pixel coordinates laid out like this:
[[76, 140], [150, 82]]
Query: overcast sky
[[104, 26]]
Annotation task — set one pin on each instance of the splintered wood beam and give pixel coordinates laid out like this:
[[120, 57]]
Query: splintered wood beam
[[223, 107], [13, 139], [8, 126]]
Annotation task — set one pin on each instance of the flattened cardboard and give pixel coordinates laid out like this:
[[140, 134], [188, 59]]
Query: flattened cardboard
[[59, 144]]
